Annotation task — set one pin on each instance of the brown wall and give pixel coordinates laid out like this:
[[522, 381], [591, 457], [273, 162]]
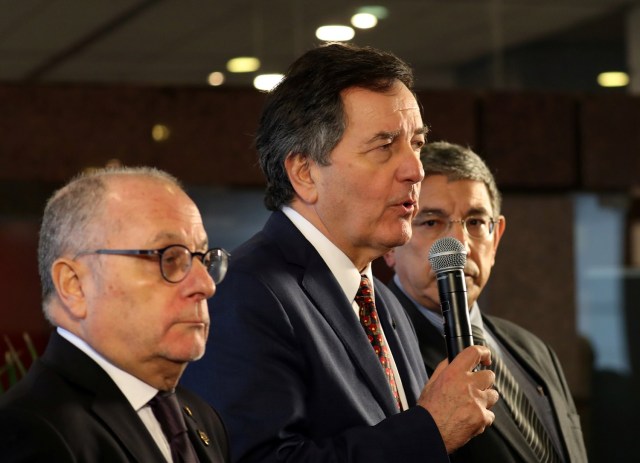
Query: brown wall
[[541, 147]]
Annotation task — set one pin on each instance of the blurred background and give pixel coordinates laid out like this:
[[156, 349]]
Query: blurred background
[[545, 90]]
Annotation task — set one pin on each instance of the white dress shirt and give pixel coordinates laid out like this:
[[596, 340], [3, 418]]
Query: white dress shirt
[[345, 272], [137, 392]]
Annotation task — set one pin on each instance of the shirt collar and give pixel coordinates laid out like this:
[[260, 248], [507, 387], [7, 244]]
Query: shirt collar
[[435, 318], [137, 392], [339, 264]]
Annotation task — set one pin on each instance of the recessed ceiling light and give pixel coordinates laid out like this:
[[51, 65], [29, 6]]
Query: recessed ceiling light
[[243, 64], [215, 78], [267, 82], [379, 12], [364, 20], [613, 79], [160, 133], [335, 33]]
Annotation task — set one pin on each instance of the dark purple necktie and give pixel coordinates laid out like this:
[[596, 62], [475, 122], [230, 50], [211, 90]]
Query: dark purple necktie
[[167, 411]]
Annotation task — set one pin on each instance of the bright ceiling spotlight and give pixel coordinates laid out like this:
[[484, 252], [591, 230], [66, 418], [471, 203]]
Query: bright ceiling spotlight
[[364, 20], [266, 82], [335, 33], [243, 64], [613, 79]]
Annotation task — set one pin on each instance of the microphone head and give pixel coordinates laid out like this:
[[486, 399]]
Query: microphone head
[[447, 254]]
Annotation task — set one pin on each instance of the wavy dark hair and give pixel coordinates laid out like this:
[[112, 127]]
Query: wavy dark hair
[[304, 114]]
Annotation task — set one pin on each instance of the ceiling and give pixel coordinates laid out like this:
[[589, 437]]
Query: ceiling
[[449, 43]]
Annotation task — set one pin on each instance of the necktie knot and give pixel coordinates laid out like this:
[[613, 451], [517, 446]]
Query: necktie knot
[[167, 411]]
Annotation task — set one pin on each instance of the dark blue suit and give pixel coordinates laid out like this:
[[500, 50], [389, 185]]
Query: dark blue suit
[[68, 409], [291, 371]]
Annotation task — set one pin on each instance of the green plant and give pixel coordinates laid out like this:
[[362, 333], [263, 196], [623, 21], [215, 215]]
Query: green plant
[[14, 367]]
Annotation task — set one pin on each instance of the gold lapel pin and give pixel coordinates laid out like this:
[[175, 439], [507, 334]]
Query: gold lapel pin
[[188, 411], [204, 438]]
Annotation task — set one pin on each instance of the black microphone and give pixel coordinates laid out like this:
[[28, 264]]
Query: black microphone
[[448, 257]]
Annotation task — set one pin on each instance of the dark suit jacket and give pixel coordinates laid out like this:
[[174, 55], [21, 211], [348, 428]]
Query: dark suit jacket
[[502, 442], [67, 409], [292, 373]]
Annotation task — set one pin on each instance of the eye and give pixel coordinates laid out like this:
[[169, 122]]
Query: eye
[[430, 223], [476, 222], [418, 144]]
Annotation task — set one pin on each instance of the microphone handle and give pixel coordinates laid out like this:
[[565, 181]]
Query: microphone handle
[[455, 310]]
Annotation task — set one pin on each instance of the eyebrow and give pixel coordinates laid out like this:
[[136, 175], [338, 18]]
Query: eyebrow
[[441, 213], [393, 135]]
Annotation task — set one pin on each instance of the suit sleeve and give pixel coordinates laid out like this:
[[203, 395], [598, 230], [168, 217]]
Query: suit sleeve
[[262, 374]]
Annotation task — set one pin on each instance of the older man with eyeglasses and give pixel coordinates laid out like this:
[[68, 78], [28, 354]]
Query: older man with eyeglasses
[[536, 419], [126, 272]]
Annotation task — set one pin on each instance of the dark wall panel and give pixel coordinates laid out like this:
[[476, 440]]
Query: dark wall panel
[[610, 140], [451, 116], [530, 140], [49, 133]]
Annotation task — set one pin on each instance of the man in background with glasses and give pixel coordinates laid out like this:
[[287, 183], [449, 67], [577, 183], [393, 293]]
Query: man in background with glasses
[[459, 198], [126, 273]]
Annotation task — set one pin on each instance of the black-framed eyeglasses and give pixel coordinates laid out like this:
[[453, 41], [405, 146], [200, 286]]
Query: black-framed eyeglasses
[[176, 260], [477, 226]]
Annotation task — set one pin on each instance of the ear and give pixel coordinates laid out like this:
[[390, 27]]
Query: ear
[[67, 279], [300, 172], [390, 258]]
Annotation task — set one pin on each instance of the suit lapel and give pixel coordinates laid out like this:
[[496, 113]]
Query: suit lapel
[[331, 302], [124, 422], [107, 401], [399, 335], [329, 299], [204, 444], [433, 350], [432, 345], [540, 374]]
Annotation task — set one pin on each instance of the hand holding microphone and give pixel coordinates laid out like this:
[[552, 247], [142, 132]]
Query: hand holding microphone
[[448, 258]]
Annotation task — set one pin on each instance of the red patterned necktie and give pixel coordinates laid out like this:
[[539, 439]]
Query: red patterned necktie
[[371, 324]]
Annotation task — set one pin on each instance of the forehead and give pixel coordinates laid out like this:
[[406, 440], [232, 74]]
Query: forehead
[[155, 208], [439, 192], [361, 104]]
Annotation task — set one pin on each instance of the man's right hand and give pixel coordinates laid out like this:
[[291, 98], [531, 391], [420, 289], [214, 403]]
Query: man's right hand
[[459, 399]]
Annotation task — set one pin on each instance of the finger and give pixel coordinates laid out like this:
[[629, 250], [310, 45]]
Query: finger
[[492, 397], [469, 358], [484, 379]]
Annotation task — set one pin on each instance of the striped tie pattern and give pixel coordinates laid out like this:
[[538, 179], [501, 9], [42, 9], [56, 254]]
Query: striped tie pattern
[[371, 324], [523, 413]]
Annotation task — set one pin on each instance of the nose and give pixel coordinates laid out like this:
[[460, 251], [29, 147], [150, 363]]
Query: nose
[[202, 281], [458, 231], [410, 169]]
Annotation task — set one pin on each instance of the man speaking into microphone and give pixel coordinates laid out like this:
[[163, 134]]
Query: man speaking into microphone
[[536, 418]]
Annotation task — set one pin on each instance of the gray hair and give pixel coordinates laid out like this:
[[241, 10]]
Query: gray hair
[[459, 163], [70, 211]]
